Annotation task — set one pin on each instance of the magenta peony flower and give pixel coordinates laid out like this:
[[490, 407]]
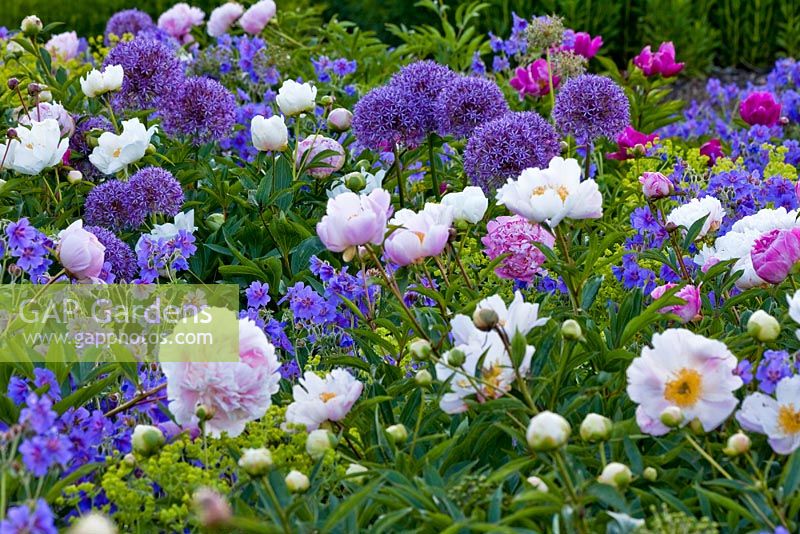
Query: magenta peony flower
[[313, 145], [353, 220], [419, 235], [223, 17], [775, 254], [80, 252], [691, 297], [533, 80], [655, 185], [760, 107], [661, 62], [256, 18], [628, 140], [179, 20], [713, 149], [516, 237], [584, 44], [234, 392]]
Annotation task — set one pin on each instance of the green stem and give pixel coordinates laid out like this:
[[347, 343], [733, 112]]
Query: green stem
[[573, 495], [434, 177], [399, 174], [278, 508]]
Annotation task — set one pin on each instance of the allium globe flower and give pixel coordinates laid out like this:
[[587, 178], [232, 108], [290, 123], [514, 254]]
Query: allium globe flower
[[384, 117], [504, 147], [467, 103], [421, 83], [591, 106], [112, 205], [130, 21], [516, 237], [201, 108], [83, 125], [118, 253], [159, 191], [152, 71]]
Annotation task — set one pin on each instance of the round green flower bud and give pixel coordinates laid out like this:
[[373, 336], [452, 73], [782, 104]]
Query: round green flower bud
[[31, 25], [420, 350], [763, 327], [423, 378], [256, 462], [398, 433], [650, 474], [737, 444], [455, 357], [547, 431], [672, 416], [617, 475], [318, 442], [485, 319], [355, 181], [571, 329], [297, 482], [147, 440], [215, 221], [595, 427]]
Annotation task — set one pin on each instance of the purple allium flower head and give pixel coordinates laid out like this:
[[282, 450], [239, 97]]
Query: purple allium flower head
[[591, 106], [112, 205], [420, 83], [201, 109], [467, 103], [506, 146], [21, 519], [128, 21], [159, 190], [384, 118], [83, 125], [118, 253], [152, 71]]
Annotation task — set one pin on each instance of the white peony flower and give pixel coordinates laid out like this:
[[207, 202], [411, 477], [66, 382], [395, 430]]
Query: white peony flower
[[97, 83], [269, 134], [36, 147], [317, 399], [182, 221], [686, 370], [115, 152], [468, 205], [295, 98], [687, 214], [778, 418], [552, 194]]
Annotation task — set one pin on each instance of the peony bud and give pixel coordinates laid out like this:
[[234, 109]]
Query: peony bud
[[327, 100], [256, 462], [269, 134], [150, 150], [204, 412], [147, 440], [595, 427], [672, 416], [295, 98], [34, 89], [31, 25], [455, 357], [655, 185], [296, 481], [763, 327], [423, 378], [617, 475], [355, 181], [547, 431], [696, 427], [485, 319], [571, 329], [318, 442], [11, 133], [738, 444], [215, 221], [398, 433], [74, 176], [212, 510], [538, 484], [354, 469], [129, 460], [12, 83], [45, 96], [420, 350], [650, 474], [93, 523], [340, 119]]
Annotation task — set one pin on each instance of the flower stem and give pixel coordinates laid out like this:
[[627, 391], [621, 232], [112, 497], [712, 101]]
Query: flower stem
[[434, 177], [399, 174]]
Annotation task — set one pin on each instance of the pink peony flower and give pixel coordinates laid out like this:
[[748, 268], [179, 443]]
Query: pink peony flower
[[628, 140], [655, 185], [63, 46], [80, 252], [516, 237], [316, 399], [256, 18], [585, 45], [533, 80], [775, 254], [179, 20], [352, 220], [223, 17], [691, 297], [420, 235], [760, 107], [661, 62], [313, 145], [234, 392], [713, 149], [48, 110]]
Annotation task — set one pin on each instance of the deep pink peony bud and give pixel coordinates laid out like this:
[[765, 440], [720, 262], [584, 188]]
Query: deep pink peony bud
[[691, 297], [760, 107], [713, 149], [655, 185], [585, 45], [661, 62], [775, 254], [628, 140]]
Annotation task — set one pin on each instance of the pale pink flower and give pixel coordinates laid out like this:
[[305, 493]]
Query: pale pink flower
[[313, 145], [419, 235], [352, 220], [223, 17], [517, 238], [778, 418], [691, 298], [48, 110], [179, 20], [80, 252], [256, 18], [316, 399], [63, 46], [234, 392], [655, 185]]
